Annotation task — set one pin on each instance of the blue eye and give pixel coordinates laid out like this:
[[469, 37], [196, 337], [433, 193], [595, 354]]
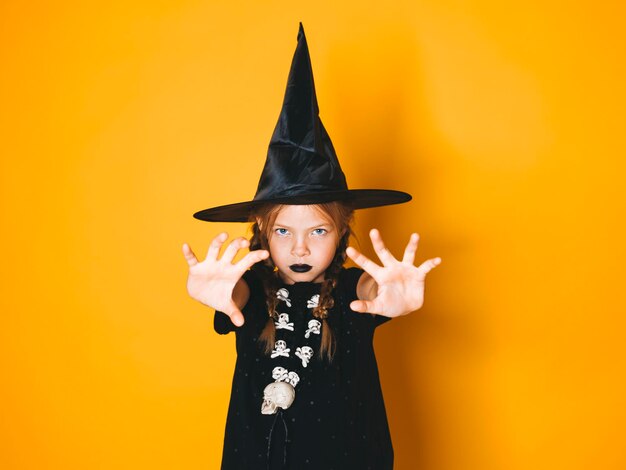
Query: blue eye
[[281, 231], [320, 231]]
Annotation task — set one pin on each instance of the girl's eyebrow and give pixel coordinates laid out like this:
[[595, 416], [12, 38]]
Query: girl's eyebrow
[[325, 225]]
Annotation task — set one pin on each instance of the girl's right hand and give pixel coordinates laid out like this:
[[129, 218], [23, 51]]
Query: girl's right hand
[[217, 282]]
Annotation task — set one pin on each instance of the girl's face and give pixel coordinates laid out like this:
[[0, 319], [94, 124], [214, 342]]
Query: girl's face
[[302, 243]]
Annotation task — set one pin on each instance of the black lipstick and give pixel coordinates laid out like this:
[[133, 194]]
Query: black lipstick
[[300, 268]]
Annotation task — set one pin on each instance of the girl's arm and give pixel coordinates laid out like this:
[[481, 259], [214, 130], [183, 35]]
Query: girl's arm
[[395, 288], [217, 282], [241, 294]]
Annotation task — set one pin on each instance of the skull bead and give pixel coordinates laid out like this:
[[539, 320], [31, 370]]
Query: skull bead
[[305, 353], [277, 395], [279, 373]]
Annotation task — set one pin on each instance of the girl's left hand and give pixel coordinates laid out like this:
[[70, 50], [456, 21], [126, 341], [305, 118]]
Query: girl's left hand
[[395, 288]]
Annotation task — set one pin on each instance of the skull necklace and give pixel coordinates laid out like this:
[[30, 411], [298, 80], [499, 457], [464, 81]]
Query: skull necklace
[[292, 352]]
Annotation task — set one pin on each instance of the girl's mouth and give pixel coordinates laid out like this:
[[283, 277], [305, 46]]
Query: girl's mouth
[[300, 268]]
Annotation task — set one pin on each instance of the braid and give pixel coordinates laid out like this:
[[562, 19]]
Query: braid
[[327, 302], [269, 279]]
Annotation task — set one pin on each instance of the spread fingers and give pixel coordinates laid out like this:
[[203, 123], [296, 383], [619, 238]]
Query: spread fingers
[[216, 245], [411, 248], [363, 261], [383, 253], [189, 255], [233, 248]]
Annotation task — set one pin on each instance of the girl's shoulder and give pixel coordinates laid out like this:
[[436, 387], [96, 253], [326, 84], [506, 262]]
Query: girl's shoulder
[[253, 280], [348, 280], [255, 306]]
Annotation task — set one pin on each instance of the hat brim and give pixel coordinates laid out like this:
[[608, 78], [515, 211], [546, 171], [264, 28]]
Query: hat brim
[[354, 198]]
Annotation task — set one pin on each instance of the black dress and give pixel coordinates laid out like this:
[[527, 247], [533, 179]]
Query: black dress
[[337, 420]]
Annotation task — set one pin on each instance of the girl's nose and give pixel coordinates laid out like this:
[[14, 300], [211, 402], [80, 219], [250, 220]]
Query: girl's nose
[[299, 248]]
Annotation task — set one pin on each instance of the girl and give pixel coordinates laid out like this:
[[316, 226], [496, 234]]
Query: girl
[[305, 391]]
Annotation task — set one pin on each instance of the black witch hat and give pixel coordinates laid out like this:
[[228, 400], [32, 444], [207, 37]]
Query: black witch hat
[[301, 165]]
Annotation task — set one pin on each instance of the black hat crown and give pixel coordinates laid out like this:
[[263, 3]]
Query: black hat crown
[[301, 165], [301, 157]]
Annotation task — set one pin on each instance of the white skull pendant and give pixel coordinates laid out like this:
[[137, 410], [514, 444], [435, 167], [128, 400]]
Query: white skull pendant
[[277, 395], [280, 349], [314, 327], [283, 294], [305, 353], [280, 374]]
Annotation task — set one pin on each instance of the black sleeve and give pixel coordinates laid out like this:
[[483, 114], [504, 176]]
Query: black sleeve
[[221, 321], [349, 280]]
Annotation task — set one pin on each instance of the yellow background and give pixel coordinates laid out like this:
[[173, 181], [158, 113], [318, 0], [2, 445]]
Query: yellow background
[[505, 120]]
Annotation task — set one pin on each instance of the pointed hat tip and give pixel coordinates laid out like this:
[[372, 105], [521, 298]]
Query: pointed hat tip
[[300, 31]]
